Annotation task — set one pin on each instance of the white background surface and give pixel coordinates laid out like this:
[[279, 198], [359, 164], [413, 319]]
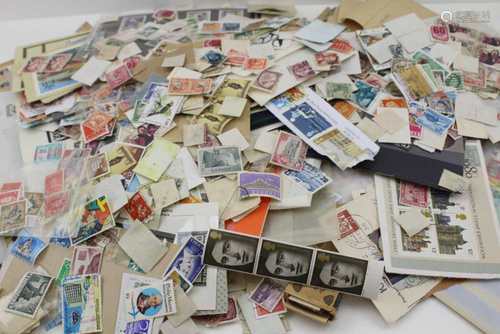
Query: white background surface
[[355, 315]]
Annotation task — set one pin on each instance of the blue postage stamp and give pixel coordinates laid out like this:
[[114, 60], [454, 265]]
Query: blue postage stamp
[[259, 184], [365, 94], [310, 178], [434, 121], [189, 260], [27, 246], [307, 120], [139, 327]]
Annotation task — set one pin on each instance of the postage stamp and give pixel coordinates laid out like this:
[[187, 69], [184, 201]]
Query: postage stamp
[[307, 120], [121, 159], [327, 58], [179, 280], [95, 126], [86, 260], [335, 90], [189, 260], [213, 57], [97, 166], [301, 70], [439, 32], [184, 86], [48, 152], [364, 95], [310, 177], [338, 272], [261, 312], [82, 304], [29, 294], [96, 218], [254, 64], [434, 121], [10, 186], [341, 45], [64, 271], [219, 160], [235, 57], [233, 251], [267, 294], [137, 208], [35, 64], [151, 301], [12, 216], [289, 151], [27, 246], [219, 319], [259, 184], [267, 80], [57, 62], [54, 182], [411, 194], [56, 204], [347, 224], [9, 196], [284, 261], [118, 76], [34, 202]]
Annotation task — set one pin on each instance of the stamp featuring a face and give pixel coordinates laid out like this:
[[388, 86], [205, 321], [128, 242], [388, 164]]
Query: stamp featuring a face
[[338, 272], [233, 251], [189, 260], [267, 294], [259, 184], [301, 70], [267, 80], [150, 301], [289, 152], [411, 194], [284, 261], [29, 294], [219, 160], [35, 64], [57, 62], [86, 260], [327, 58], [12, 216], [27, 246]]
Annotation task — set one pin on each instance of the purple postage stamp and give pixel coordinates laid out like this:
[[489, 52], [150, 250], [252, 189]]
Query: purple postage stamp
[[267, 294], [259, 184]]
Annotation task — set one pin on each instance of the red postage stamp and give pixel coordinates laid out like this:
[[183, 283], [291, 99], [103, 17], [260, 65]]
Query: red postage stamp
[[413, 195]]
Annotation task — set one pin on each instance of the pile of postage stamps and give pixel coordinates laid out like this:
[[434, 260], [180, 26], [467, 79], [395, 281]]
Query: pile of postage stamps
[[190, 169]]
